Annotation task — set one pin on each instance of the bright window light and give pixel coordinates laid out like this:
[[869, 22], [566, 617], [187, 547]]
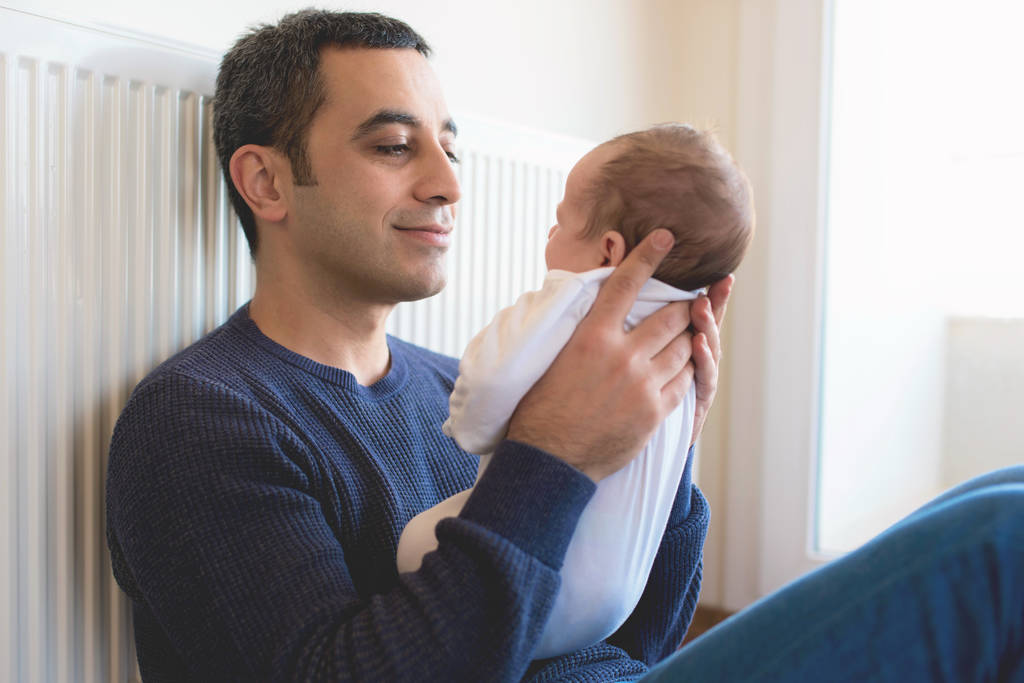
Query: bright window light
[[923, 337]]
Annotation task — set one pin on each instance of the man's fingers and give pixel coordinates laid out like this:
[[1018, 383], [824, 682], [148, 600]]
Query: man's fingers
[[668, 359], [719, 294], [658, 330], [706, 374], [705, 378], [619, 292], [703, 321], [675, 390]]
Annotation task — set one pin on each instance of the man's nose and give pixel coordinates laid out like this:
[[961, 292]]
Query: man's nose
[[438, 182]]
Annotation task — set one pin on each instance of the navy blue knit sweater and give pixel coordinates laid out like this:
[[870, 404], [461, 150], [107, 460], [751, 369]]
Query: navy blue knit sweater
[[255, 499]]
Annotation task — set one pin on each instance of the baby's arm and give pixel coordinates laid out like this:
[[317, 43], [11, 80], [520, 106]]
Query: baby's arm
[[418, 537], [508, 356]]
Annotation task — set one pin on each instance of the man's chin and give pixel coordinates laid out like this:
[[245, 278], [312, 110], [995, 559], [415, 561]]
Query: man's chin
[[419, 290]]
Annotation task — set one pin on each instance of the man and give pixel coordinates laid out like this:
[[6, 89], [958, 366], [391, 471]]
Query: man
[[258, 480]]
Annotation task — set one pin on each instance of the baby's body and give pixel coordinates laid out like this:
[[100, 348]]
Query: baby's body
[[616, 540], [610, 556]]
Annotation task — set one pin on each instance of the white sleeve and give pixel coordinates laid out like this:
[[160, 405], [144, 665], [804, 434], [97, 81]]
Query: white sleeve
[[508, 356]]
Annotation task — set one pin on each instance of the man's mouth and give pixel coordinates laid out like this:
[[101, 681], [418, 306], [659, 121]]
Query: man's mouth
[[433, 234], [432, 227]]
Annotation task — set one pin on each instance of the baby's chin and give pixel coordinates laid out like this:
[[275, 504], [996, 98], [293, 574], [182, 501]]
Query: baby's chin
[[572, 268]]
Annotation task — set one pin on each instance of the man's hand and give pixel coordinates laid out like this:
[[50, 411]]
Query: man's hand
[[607, 391], [706, 314]]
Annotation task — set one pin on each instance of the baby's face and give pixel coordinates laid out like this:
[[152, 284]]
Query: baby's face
[[567, 248]]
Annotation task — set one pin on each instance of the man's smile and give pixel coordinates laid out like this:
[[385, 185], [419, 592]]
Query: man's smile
[[433, 234]]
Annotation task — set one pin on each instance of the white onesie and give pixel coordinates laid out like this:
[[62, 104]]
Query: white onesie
[[613, 548]]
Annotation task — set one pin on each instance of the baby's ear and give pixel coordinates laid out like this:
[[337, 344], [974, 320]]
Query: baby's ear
[[613, 248]]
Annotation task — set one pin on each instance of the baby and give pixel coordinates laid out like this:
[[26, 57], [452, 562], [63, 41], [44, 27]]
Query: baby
[[669, 176]]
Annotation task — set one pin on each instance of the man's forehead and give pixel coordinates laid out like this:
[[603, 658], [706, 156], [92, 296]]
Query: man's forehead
[[383, 82]]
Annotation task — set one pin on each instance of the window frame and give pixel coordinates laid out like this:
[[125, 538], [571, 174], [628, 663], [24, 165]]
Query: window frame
[[775, 318]]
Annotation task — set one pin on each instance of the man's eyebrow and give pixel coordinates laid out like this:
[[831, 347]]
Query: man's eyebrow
[[388, 116], [383, 118]]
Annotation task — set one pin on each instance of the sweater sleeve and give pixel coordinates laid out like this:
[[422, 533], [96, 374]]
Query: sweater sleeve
[[658, 624], [215, 529]]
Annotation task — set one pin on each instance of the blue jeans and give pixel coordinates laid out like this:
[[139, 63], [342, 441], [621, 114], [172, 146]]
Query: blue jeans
[[937, 597]]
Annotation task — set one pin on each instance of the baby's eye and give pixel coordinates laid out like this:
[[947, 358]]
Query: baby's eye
[[393, 150], [453, 157]]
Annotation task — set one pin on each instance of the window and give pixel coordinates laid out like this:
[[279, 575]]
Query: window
[[876, 334], [922, 367]]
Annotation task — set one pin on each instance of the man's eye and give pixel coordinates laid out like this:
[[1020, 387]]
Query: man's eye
[[393, 150]]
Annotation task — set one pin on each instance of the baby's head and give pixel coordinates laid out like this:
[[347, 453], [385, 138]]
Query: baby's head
[[670, 176]]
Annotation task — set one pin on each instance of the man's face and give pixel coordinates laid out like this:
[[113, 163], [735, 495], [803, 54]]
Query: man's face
[[377, 223], [567, 247]]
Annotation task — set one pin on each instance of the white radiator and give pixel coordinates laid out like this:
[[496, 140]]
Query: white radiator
[[118, 248]]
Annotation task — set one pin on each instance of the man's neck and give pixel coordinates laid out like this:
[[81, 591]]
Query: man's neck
[[342, 334]]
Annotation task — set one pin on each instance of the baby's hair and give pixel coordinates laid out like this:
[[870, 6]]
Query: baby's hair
[[673, 176]]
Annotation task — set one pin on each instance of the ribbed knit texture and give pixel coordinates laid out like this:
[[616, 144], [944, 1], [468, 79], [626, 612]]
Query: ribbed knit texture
[[254, 503]]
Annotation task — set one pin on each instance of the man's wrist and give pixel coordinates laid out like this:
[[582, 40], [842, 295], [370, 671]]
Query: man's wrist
[[572, 454], [531, 499], [538, 442]]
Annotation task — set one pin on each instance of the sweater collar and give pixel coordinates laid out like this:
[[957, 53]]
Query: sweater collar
[[382, 388]]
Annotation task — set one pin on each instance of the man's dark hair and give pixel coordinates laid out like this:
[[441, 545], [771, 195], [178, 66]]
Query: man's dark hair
[[269, 86]]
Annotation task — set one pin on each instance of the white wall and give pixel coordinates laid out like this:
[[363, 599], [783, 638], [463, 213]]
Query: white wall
[[589, 68], [984, 393]]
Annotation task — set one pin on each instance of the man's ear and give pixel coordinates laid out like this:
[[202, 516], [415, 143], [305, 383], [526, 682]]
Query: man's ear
[[613, 248], [258, 173]]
